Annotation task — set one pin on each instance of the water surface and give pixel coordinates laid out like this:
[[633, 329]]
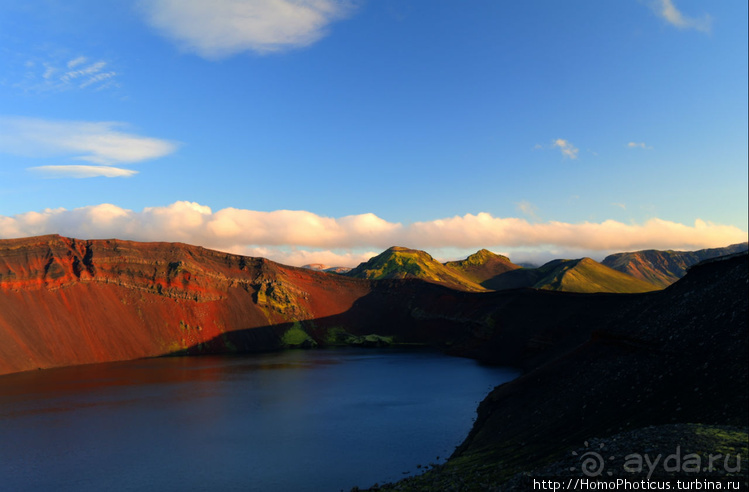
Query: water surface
[[295, 420]]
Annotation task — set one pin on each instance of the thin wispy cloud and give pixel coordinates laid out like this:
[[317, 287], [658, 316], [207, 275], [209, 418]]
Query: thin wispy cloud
[[87, 74], [55, 73], [307, 237], [101, 144], [527, 208], [49, 72], [222, 28], [620, 205], [95, 79], [76, 61], [668, 11], [82, 171], [639, 145], [565, 146]]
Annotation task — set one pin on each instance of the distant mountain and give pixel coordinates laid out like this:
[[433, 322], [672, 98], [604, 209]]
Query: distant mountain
[[398, 262], [583, 275], [320, 267], [482, 266], [663, 268]]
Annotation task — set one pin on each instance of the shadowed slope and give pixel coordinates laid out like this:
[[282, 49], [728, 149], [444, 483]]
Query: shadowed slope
[[667, 359], [664, 359]]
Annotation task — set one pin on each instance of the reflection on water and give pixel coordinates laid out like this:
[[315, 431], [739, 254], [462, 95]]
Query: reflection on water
[[296, 420]]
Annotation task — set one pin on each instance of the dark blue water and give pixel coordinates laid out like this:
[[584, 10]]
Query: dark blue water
[[296, 420]]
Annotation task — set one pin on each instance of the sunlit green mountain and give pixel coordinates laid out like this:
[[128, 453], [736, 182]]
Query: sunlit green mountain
[[399, 262]]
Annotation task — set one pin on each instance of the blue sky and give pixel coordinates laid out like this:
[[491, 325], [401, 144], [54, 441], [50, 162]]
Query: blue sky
[[324, 130]]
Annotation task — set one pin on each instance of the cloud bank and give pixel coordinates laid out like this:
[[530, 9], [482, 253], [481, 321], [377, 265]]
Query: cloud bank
[[298, 237], [101, 144], [222, 28]]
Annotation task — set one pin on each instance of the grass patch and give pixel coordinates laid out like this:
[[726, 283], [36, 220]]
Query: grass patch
[[297, 337]]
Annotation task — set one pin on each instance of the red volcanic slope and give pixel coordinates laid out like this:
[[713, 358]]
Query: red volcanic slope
[[65, 301]]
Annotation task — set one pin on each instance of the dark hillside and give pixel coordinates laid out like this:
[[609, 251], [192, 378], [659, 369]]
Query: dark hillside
[[673, 357]]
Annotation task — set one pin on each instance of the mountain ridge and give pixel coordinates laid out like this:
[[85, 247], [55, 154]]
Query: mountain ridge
[[163, 298], [66, 301], [487, 271], [627, 272], [664, 267]]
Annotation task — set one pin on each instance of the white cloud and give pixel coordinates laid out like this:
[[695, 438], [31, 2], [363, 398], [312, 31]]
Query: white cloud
[[668, 11], [639, 145], [82, 171], [222, 28], [299, 237], [565, 146], [620, 205], [100, 143]]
